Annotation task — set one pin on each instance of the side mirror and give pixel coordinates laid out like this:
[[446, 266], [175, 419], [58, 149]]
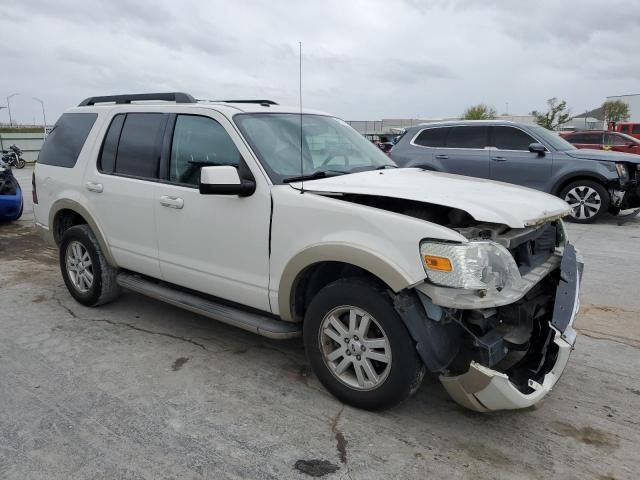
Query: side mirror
[[224, 180], [537, 148]]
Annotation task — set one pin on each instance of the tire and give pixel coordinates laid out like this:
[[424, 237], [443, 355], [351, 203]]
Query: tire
[[393, 379], [589, 200], [80, 253], [21, 163]]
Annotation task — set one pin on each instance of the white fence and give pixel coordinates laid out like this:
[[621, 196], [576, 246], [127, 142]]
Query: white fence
[[29, 143]]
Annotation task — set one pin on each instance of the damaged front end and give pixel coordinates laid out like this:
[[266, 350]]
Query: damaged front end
[[504, 343]]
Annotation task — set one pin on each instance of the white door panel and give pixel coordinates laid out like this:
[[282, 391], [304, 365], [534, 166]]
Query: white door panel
[[125, 209]]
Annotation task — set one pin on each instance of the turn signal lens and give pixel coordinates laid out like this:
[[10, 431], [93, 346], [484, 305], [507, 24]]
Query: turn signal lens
[[442, 264]]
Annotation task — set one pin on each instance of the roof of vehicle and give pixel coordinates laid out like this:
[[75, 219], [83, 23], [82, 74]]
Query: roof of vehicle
[[451, 123], [137, 102]]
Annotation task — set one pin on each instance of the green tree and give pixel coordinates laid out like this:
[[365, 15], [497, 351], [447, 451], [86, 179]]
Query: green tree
[[615, 111], [556, 115], [479, 112]]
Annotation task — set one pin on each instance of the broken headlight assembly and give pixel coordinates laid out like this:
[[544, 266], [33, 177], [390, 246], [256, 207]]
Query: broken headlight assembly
[[480, 265]]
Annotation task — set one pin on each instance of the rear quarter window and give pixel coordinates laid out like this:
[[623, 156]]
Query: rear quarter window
[[66, 139]]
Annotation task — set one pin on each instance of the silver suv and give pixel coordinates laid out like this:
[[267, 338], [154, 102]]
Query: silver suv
[[592, 182]]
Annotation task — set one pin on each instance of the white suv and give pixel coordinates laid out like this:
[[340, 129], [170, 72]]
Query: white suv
[[289, 223]]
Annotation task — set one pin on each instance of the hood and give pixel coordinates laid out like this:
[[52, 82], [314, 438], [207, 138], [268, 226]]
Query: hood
[[484, 200], [602, 155]]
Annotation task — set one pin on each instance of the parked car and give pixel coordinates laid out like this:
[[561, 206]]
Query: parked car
[[385, 272], [591, 182], [630, 128], [11, 204], [603, 140]]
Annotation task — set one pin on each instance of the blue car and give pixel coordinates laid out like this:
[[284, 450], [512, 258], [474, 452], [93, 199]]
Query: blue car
[[10, 196]]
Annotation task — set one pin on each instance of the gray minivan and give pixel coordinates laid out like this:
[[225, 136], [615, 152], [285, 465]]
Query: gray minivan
[[591, 181]]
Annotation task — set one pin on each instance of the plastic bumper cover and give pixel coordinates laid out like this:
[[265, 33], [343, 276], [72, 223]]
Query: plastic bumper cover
[[483, 389]]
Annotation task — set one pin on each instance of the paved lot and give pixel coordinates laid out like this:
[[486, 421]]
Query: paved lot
[[138, 389]]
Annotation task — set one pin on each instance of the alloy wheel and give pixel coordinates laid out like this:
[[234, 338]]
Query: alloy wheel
[[355, 348], [79, 266], [584, 201]]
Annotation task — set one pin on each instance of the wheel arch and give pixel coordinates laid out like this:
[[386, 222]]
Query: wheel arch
[[65, 213], [320, 264], [575, 176]]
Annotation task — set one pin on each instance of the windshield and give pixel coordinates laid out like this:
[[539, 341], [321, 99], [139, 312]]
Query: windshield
[[328, 145], [551, 138]]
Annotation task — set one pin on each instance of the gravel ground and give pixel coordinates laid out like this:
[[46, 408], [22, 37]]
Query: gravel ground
[[138, 389]]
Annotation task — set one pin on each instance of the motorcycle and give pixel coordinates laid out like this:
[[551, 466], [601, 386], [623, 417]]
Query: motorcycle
[[13, 157]]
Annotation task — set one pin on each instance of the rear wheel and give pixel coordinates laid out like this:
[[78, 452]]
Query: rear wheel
[[87, 274], [588, 200], [21, 163], [358, 346]]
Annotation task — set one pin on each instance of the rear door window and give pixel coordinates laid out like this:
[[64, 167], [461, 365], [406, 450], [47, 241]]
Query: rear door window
[[635, 128], [509, 138], [468, 137], [139, 148], [66, 139], [432, 137]]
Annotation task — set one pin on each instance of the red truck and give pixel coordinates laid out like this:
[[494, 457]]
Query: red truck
[[630, 128]]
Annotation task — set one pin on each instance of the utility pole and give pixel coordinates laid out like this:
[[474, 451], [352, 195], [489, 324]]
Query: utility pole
[[44, 118], [9, 107]]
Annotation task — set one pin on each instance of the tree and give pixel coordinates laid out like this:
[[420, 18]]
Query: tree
[[556, 115], [479, 112], [615, 111]]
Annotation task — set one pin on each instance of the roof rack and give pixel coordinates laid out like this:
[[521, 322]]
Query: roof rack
[[261, 102], [177, 97]]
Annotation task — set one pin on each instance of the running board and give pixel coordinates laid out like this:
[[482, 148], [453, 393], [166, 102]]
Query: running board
[[250, 321]]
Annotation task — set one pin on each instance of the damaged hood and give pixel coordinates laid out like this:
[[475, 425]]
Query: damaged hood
[[610, 156], [484, 200]]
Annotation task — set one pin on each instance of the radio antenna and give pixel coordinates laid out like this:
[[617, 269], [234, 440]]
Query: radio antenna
[[300, 105]]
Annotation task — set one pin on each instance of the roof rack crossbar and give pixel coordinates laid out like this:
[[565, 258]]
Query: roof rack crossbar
[[261, 102], [178, 97]]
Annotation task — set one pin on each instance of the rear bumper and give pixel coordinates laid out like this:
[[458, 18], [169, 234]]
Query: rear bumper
[[484, 389]]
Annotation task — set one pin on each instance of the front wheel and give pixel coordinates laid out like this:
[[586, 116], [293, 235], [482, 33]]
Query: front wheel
[[21, 163], [358, 346], [588, 200]]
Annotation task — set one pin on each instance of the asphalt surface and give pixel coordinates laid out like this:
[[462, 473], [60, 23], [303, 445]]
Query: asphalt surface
[[140, 390]]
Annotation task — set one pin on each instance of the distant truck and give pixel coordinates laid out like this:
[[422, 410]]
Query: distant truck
[[630, 128]]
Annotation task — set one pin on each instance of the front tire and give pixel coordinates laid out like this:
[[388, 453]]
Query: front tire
[[358, 346], [86, 273], [588, 200]]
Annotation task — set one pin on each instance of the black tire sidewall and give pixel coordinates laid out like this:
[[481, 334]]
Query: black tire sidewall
[[602, 191], [406, 368], [81, 233]]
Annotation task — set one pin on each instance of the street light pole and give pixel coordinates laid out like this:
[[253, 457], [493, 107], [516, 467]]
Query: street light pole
[[44, 117], [9, 107]]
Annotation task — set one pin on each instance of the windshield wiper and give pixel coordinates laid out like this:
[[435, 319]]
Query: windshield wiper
[[314, 176]]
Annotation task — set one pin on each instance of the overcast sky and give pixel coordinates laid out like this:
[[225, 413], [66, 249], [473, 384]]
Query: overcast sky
[[361, 59]]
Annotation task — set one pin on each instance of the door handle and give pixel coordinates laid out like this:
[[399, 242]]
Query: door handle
[[171, 202], [498, 159], [442, 157], [95, 187]]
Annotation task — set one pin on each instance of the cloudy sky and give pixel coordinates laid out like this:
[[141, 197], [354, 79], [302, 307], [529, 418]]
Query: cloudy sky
[[361, 59]]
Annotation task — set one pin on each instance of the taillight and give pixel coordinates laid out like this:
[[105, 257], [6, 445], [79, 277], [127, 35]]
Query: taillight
[[34, 193]]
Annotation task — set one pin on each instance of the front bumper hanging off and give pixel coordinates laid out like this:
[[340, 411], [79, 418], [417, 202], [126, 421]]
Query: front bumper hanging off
[[484, 389]]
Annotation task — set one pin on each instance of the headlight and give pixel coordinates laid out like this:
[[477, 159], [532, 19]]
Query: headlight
[[473, 265], [621, 168]]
